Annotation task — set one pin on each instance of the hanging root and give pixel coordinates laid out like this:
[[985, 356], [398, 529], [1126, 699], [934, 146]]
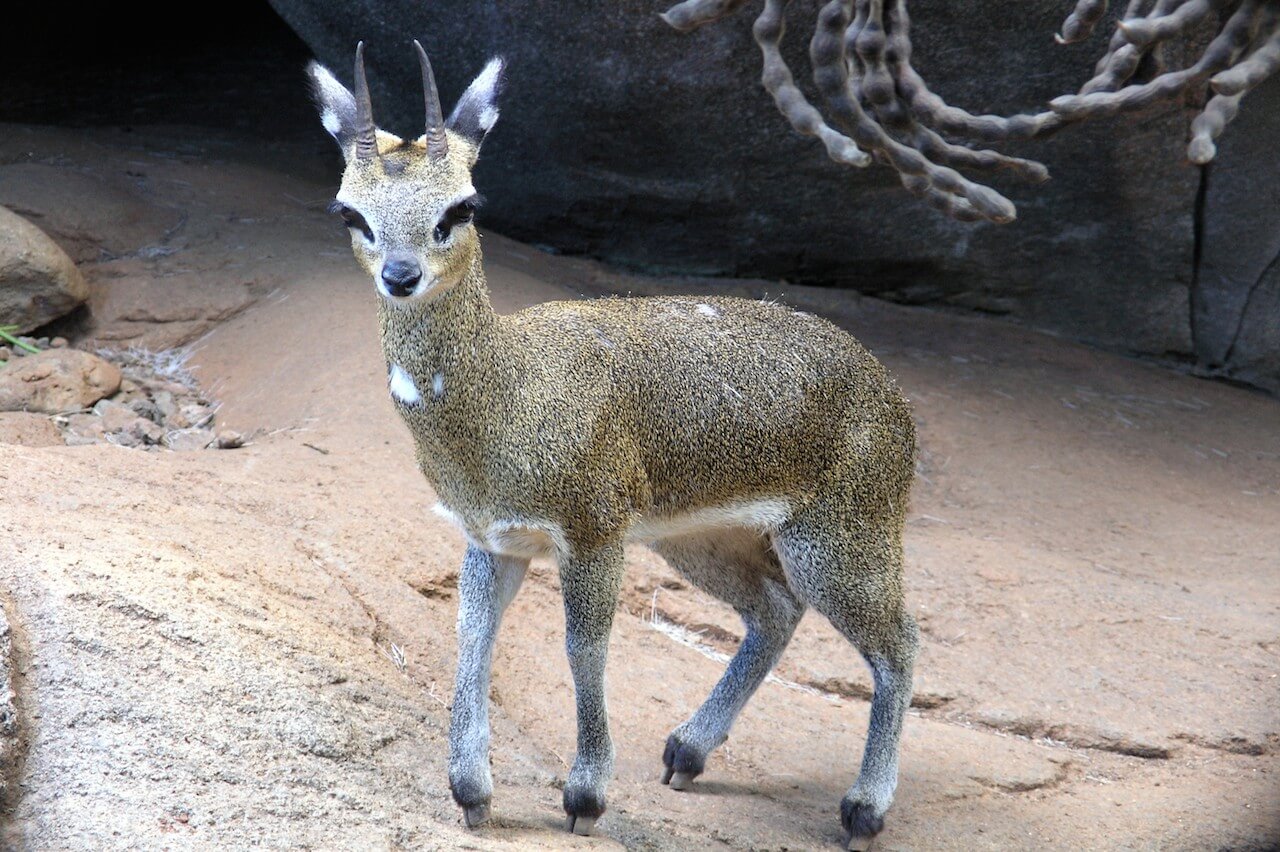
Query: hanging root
[[1080, 23], [1257, 66], [692, 14], [1208, 126], [877, 106], [1245, 52], [791, 101]]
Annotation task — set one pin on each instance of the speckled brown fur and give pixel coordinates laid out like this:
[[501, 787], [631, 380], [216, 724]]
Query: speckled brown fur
[[569, 427]]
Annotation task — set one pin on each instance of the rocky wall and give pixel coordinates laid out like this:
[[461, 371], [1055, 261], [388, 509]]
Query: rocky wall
[[625, 140]]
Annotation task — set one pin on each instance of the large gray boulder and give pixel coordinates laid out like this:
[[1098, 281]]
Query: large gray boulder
[[38, 282], [623, 139]]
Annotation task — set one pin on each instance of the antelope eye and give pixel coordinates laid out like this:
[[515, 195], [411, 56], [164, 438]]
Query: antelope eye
[[352, 219], [459, 214]]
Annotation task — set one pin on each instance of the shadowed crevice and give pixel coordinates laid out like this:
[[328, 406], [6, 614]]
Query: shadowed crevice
[[1197, 254], [1248, 303]]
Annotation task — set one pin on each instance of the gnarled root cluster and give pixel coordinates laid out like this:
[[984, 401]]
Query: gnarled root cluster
[[1245, 52], [879, 107]]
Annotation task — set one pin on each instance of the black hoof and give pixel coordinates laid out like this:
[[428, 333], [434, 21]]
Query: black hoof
[[475, 815], [580, 804], [468, 793], [682, 761], [861, 824], [473, 798], [583, 825]]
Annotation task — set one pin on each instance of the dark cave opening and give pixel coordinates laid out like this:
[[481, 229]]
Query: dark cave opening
[[237, 69]]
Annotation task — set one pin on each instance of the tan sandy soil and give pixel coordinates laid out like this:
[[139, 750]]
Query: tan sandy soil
[[203, 641]]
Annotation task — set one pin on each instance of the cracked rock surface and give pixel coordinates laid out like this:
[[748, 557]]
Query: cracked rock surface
[[256, 647]]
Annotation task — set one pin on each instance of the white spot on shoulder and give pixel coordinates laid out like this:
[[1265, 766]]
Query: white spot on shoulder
[[603, 338], [437, 385], [708, 310], [488, 118], [402, 386]]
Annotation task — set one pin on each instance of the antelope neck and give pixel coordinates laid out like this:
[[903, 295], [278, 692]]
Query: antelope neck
[[454, 327]]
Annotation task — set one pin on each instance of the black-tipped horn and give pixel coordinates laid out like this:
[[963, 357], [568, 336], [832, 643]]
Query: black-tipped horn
[[437, 142], [366, 134]]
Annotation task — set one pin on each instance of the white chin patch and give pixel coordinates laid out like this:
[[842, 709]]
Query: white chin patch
[[421, 292], [402, 386]]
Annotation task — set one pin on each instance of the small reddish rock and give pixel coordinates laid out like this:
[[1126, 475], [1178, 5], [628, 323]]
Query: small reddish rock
[[57, 380]]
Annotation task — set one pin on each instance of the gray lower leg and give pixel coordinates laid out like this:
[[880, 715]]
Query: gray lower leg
[[487, 584], [590, 585], [863, 807], [849, 568], [689, 745]]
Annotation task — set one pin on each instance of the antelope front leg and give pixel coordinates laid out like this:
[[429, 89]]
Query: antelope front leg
[[590, 584], [487, 585]]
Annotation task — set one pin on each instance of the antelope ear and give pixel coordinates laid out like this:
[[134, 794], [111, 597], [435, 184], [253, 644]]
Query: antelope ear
[[336, 104], [477, 109]]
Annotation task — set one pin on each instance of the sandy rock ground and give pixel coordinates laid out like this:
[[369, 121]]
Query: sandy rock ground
[[255, 646]]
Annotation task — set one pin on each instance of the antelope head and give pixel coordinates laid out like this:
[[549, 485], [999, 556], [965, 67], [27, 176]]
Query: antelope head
[[409, 203]]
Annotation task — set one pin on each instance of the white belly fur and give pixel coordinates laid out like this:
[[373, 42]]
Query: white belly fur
[[531, 538]]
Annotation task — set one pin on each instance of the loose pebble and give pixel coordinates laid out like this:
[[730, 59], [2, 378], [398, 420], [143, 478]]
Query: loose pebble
[[186, 440], [230, 440]]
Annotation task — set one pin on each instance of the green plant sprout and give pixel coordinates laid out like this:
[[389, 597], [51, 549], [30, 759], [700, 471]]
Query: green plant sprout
[[6, 333]]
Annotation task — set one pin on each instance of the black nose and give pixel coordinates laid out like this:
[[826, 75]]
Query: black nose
[[401, 276]]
